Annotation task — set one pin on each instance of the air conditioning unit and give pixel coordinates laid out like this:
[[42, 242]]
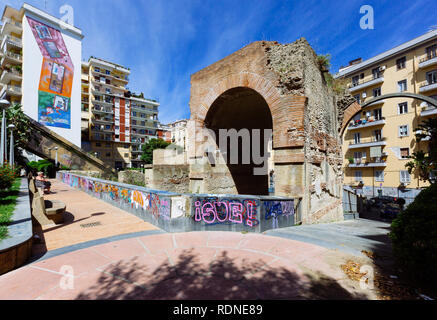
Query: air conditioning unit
[[364, 95], [383, 68]]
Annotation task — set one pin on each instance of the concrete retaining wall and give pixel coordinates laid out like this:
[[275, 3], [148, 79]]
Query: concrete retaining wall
[[180, 212]]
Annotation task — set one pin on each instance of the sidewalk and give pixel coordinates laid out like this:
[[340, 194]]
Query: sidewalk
[[187, 266], [86, 219]]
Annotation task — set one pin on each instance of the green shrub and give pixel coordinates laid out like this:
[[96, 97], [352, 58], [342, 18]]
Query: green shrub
[[414, 237], [7, 176]]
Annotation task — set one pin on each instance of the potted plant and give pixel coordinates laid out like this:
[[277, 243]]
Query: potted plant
[[351, 160]]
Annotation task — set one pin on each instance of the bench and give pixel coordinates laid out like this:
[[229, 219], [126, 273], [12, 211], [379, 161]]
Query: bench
[[46, 212]]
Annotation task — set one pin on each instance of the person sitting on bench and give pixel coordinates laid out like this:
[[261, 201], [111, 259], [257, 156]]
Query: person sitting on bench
[[41, 182]]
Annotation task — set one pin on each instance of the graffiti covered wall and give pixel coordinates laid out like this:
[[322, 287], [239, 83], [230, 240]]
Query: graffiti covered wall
[[191, 212]]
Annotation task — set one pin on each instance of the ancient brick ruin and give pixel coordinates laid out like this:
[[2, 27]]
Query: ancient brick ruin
[[281, 87]]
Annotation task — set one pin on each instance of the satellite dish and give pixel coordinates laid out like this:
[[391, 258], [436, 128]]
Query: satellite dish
[[424, 104]]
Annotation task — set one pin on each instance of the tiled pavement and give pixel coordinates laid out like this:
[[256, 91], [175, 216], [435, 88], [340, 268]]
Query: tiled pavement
[[126, 258], [196, 265], [83, 209]]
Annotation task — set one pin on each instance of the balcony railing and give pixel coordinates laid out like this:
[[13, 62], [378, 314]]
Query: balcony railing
[[12, 22], [427, 85], [428, 57], [364, 123], [13, 55], [14, 89], [14, 40], [363, 84], [368, 142]]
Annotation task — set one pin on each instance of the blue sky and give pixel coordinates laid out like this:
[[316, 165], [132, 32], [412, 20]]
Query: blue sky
[[164, 42]]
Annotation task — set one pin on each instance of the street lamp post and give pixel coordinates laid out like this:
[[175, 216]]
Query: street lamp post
[[11, 145], [56, 156], [3, 105]]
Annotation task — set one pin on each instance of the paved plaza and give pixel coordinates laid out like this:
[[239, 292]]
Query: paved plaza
[[118, 256]]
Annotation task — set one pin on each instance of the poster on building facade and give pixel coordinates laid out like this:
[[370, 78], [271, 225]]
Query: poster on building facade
[[56, 80]]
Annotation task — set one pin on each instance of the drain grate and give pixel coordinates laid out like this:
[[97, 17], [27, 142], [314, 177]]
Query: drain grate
[[90, 225]]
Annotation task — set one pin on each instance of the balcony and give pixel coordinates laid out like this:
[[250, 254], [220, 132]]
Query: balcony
[[367, 164], [100, 110], [429, 111], [11, 90], [104, 120], [11, 57], [366, 123], [9, 75], [427, 86], [365, 84], [103, 102], [369, 142], [13, 41], [428, 61], [10, 25]]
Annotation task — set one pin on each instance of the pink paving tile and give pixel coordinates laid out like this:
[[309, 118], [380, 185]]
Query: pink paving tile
[[192, 261], [120, 249], [143, 270], [191, 239], [82, 287], [222, 239], [27, 284], [158, 243], [81, 261], [234, 264], [259, 242], [297, 252]]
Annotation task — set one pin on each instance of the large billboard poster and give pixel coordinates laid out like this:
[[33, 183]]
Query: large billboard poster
[[56, 80]]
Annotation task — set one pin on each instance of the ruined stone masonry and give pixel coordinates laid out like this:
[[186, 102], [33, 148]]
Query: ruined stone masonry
[[267, 85]]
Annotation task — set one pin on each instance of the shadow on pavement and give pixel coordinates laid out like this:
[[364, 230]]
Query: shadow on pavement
[[221, 279]]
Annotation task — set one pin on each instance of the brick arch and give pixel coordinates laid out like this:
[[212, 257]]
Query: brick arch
[[287, 110], [244, 79]]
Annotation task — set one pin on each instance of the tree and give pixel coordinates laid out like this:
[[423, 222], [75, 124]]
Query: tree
[[16, 116], [148, 148], [425, 162]]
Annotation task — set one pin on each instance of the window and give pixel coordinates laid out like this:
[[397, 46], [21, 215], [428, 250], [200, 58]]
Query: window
[[405, 153], [117, 128], [358, 156], [126, 155], [357, 137], [377, 92], [376, 72], [377, 134], [355, 80], [402, 85], [377, 113], [108, 91], [400, 63], [404, 176], [108, 145], [358, 176], [379, 175], [108, 154], [431, 76], [107, 72], [433, 176], [403, 108], [98, 144], [357, 97], [96, 69], [403, 131], [431, 51]]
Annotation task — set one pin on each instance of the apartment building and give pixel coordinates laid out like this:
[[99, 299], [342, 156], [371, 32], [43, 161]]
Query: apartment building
[[378, 141], [178, 131], [39, 55], [116, 121]]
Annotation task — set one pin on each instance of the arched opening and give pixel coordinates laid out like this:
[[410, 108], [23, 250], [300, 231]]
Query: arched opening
[[244, 110]]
